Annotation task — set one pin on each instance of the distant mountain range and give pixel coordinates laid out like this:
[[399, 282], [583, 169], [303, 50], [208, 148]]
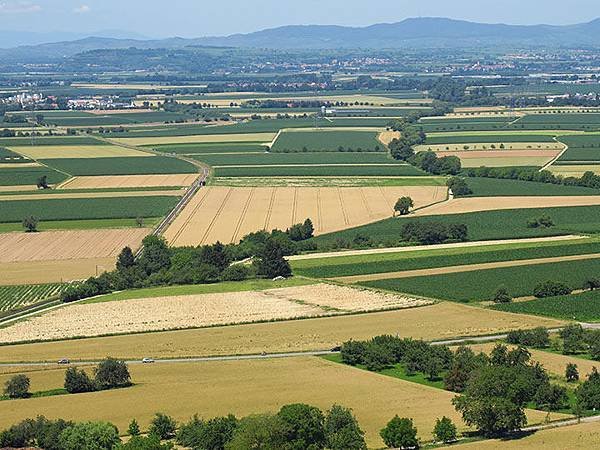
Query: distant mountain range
[[417, 33], [11, 39]]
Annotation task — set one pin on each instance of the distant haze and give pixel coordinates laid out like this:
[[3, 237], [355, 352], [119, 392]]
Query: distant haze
[[197, 18]]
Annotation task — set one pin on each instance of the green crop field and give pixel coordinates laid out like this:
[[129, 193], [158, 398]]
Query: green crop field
[[321, 171], [56, 140], [486, 225], [489, 138], [14, 297], [87, 208], [8, 156], [426, 259], [482, 284], [492, 187], [197, 149], [584, 307], [29, 176], [297, 158], [121, 166], [563, 121], [475, 124], [327, 141], [581, 148], [91, 120]]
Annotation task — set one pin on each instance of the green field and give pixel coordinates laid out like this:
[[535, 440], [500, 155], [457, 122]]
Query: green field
[[14, 297], [489, 138], [482, 284], [493, 187], [297, 158], [327, 141], [474, 124], [29, 176], [90, 224], [198, 149], [86, 208], [561, 121], [426, 259], [57, 140], [320, 171], [90, 120], [486, 225], [8, 156], [581, 148], [584, 307], [121, 166]]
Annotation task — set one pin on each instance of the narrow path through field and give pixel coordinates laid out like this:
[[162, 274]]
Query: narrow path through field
[[464, 268], [557, 157]]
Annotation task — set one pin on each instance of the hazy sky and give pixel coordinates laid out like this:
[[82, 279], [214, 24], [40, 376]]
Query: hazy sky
[[191, 18]]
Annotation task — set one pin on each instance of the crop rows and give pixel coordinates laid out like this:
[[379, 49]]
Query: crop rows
[[488, 138], [297, 158], [57, 140], [29, 176], [199, 148], [121, 166], [13, 297], [326, 141], [320, 171]]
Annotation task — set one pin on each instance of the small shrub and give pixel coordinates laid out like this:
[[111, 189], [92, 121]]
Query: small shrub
[[551, 289], [502, 296]]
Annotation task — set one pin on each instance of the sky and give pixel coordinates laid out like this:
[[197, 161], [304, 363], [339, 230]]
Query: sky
[[197, 18]]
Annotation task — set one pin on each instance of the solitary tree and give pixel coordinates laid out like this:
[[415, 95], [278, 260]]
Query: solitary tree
[[400, 433], [572, 373], [77, 381], [444, 430], [17, 387], [403, 205], [30, 224], [271, 263], [112, 373]]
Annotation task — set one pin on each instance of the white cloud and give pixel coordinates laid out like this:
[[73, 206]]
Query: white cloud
[[18, 7], [82, 9]]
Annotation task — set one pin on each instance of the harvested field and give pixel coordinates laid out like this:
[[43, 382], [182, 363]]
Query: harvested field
[[77, 151], [574, 170], [53, 271], [503, 158], [216, 389], [576, 436], [64, 245], [227, 214], [440, 321], [128, 181], [474, 204], [241, 137], [195, 311], [386, 137]]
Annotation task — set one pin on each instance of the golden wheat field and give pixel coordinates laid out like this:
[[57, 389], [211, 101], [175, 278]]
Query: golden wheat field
[[574, 170], [217, 388], [53, 271], [129, 181], [439, 321], [77, 151], [193, 311], [227, 214]]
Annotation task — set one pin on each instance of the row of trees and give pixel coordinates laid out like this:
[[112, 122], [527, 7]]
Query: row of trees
[[109, 374], [548, 288], [159, 265]]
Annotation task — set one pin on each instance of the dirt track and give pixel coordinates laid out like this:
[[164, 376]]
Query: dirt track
[[464, 268]]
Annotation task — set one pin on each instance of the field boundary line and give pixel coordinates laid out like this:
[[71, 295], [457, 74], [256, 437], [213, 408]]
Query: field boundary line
[[295, 207], [187, 221], [344, 213], [216, 216], [557, 157], [319, 210], [243, 215], [462, 268], [365, 202], [270, 209]]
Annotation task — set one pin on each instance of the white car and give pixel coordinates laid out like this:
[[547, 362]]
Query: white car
[[147, 361], [64, 361]]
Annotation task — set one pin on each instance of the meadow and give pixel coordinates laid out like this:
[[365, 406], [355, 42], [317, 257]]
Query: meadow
[[326, 141], [583, 307], [426, 259], [482, 284], [338, 170], [121, 166], [484, 225], [87, 208]]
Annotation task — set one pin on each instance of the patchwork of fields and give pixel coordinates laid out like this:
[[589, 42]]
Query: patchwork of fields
[[227, 214]]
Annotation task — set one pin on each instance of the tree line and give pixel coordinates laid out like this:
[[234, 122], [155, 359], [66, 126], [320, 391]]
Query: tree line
[[588, 179]]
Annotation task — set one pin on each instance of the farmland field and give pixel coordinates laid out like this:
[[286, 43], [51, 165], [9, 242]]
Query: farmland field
[[425, 259], [574, 170], [585, 121], [584, 307], [485, 225], [581, 148], [197, 139], [488, 139], [227, 214], [29, 176], [129, 181], [54, 140], [326, 141], [440, 321], [321, 170], [121, 166], [12, 297], [492, 187], [77, 151], [193, 149], [503, 158], [8, 156], [91, 120], [87, 208], [482, 284], [197, 311], [296, 158]]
